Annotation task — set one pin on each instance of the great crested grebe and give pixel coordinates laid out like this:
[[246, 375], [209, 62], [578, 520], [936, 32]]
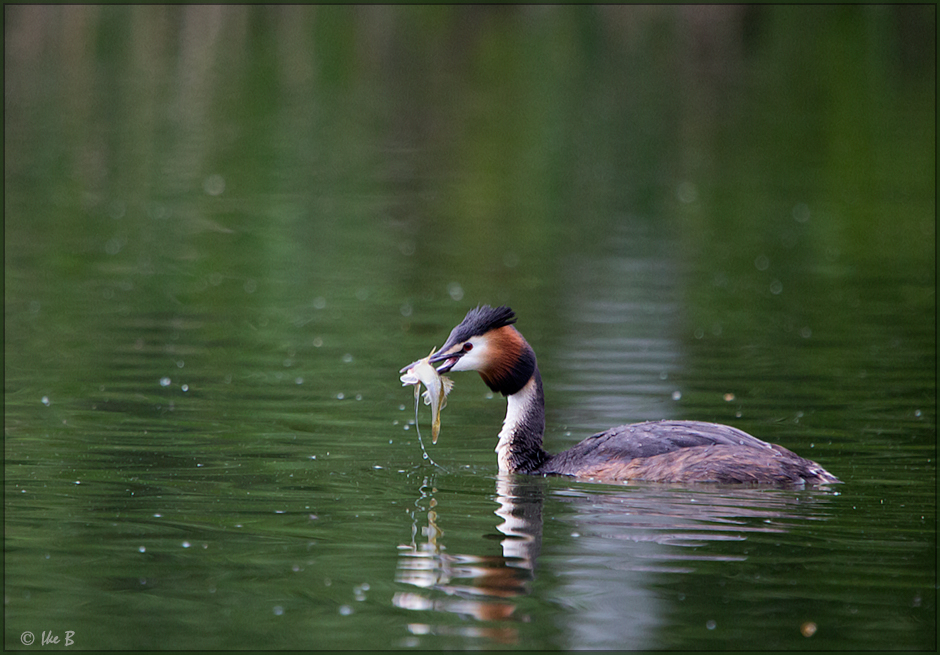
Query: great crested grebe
[[656, 451]]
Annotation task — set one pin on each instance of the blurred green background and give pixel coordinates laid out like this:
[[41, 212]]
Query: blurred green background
[[227, 227]]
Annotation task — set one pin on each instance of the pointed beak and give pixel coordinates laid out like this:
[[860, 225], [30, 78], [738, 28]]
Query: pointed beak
[[449, 359], [411, 365]]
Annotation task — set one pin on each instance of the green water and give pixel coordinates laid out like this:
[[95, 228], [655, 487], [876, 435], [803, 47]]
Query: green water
[[226, 229]]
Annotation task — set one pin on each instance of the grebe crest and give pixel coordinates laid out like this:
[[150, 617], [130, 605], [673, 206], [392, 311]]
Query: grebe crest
[[486, 342]]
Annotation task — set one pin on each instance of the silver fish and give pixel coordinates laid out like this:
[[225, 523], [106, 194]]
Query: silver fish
[[437, 387]]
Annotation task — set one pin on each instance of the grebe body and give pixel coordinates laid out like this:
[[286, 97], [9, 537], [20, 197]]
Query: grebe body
[[657, 451]]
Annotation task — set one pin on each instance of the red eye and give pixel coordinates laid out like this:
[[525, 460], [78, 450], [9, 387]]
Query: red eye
[[467, 347]]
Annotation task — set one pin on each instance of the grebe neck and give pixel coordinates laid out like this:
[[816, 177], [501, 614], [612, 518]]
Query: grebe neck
[[520, 441]]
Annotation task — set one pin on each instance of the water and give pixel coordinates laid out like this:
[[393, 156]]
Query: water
[[246, 220]]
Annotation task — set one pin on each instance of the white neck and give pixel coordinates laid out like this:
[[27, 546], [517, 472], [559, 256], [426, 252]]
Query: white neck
[[522, 427]]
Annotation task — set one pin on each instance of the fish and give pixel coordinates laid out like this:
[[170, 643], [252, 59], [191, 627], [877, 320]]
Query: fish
[[436, 389]]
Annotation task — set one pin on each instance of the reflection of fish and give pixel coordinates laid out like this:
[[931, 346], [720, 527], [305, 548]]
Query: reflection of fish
[[438, 386]]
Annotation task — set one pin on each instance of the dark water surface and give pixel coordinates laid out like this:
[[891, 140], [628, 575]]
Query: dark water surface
[[226, 229]]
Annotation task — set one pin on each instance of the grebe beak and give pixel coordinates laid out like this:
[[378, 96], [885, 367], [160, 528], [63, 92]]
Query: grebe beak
[[449, 359], [411, 365]]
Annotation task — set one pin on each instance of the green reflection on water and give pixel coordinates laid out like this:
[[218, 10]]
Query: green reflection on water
[[227, 228]]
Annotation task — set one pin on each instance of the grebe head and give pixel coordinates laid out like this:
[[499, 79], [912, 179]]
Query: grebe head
[[485, 341]]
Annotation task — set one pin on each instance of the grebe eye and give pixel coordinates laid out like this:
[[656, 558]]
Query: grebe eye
[[467, 347]]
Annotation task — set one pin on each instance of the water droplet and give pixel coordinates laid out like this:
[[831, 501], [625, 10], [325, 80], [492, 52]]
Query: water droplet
[[345, 610], [801, 212], [455, 291], [711, 625], [278, 610], [214, 185], [113, 246], [687, 192], [676, 395], [116, 209], [165, 382], [46, 401]]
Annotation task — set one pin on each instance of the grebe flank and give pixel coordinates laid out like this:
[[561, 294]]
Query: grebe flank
[[656, 451]]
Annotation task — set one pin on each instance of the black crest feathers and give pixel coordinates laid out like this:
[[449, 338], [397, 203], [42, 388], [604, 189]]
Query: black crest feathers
[[481, 320]]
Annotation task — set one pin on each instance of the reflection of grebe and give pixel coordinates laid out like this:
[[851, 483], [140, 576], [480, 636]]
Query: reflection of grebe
[[658, 451], [479, 586]]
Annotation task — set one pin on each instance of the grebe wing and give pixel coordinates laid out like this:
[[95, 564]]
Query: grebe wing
[[659, 437]]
